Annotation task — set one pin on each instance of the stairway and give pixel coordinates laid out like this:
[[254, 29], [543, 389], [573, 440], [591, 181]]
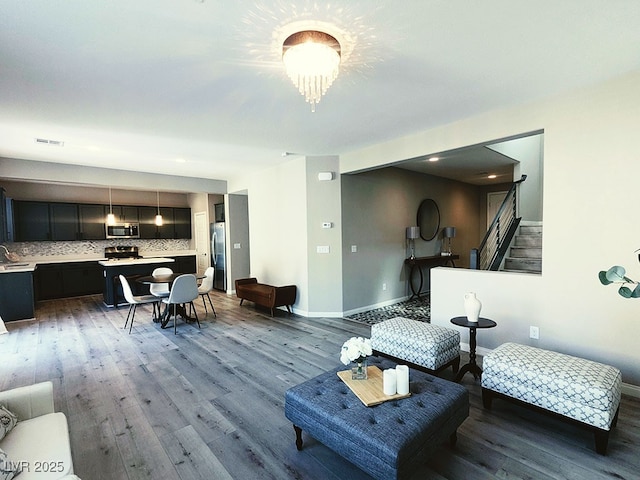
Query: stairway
[[525, 253]]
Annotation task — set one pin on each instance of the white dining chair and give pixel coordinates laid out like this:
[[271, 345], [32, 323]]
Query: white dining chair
[[160, 289], [205, 287], [183, 291], [134, 301]]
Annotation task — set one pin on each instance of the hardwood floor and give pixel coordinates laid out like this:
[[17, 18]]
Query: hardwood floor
[[209, 403]]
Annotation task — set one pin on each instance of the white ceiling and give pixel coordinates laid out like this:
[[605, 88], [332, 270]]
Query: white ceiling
[[136, 85]]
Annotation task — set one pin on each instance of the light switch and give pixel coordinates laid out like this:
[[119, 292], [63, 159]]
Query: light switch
[[354, 248], [322, 249], [237, 246], [327, 225]]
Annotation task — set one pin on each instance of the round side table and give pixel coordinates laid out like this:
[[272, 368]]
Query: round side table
[[472, 366]]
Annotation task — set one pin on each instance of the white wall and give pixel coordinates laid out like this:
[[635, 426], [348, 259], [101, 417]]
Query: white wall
[[277, 227], [591, 174]]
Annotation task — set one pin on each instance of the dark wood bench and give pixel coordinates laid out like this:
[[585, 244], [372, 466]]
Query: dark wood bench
[[265, 295]]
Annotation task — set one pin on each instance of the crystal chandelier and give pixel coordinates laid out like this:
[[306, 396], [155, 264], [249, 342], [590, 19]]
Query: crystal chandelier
[[311, 59]]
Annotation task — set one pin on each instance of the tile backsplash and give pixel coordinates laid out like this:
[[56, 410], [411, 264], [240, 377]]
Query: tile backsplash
[[93, 247]]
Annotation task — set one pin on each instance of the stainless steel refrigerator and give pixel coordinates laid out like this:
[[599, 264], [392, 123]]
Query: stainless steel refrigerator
[[218, 258]]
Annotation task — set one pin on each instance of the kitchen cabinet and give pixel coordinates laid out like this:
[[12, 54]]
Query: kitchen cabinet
[[182, 222], [63, 221], [176, 223], [71, 279], [92, 221], [41, 221], [126, 214], [16, 296], [31, 221], [184, 264], [147, 220], [4, 232]]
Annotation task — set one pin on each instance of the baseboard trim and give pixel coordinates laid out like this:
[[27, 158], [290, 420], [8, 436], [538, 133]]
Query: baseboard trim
[[375, 305]]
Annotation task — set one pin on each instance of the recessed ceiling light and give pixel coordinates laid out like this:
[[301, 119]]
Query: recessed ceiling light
[[434, 159], [181, 160], [492, 176]]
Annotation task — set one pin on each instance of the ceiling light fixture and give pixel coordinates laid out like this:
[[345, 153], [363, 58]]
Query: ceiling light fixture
[[434, 159], [158, 216], [312, 60], [111, 218]]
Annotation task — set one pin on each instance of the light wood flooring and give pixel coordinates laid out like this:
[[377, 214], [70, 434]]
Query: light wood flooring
[[208, 404]]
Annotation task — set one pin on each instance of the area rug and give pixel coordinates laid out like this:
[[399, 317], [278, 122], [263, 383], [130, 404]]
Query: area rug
[[415, 309]]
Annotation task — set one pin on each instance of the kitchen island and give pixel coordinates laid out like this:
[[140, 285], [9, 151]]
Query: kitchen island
[[130, 268]]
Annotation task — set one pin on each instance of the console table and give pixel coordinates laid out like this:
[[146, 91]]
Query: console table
[[429, 262]]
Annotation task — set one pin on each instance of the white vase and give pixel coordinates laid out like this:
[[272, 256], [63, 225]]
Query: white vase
[[472, 306]]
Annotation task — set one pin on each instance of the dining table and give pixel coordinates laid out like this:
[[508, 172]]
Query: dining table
[[168, 278]]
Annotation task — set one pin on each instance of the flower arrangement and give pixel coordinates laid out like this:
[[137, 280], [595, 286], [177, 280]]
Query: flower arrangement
[[628, 288], [354, 349], [617, 274]]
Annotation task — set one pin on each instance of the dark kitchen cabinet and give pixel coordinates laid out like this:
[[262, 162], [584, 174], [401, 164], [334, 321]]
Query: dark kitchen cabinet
[[16, 296], [92, 221], [182, 222], [166, 230], [176, 223], [61, 280], [63, 219], [126, 214], [4, 232], [147, 220], [31, 221], [184, 264]]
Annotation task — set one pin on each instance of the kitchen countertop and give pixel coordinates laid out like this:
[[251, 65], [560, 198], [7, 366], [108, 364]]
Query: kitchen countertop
[[120, 262], [100, 258], [17, 267]]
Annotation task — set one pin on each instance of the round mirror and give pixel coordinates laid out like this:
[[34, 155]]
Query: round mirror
[[428, 219]]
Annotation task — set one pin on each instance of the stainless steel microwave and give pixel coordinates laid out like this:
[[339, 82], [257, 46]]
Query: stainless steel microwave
[[123, 230]]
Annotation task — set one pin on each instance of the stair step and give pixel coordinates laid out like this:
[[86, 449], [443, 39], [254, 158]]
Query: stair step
[[523, 264], [530, 229], [528, 241], [525, 252]]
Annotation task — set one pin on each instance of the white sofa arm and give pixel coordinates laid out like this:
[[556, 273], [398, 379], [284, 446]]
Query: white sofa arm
[[30, 401]]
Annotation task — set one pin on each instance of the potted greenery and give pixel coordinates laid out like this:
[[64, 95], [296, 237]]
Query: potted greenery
[[628, 288]]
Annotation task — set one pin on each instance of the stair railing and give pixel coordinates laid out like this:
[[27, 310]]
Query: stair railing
[[496, 241]]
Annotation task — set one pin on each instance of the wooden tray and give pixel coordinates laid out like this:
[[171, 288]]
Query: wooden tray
[[369, 391]]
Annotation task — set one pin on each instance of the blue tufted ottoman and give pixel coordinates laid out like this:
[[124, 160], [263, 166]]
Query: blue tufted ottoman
[[388, 441], [420, 344], [576, 389]]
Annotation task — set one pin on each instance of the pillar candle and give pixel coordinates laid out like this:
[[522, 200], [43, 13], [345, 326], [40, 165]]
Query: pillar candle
[[402, 379], [389, 381]]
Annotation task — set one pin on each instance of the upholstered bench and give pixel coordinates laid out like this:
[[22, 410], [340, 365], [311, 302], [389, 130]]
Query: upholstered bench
[[578, 390], [389, 440], [420, 344]]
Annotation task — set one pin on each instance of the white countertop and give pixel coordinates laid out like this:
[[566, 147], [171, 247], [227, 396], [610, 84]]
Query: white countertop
[[99, 257], [17, 267], [121, 262]]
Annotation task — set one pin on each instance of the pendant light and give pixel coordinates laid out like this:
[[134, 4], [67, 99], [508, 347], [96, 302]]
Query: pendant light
[[158, 216], [111, 218]]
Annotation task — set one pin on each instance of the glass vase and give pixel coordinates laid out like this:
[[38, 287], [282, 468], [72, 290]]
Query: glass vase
[[359, 369]]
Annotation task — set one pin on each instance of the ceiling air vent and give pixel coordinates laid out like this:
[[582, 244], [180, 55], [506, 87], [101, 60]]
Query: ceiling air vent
[[55, 143]]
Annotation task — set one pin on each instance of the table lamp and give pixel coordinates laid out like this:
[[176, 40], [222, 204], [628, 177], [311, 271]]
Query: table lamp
[[412, 234], [448, 233]]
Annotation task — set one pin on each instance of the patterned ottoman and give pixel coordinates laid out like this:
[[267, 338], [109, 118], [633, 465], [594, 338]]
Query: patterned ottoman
[[424, 346], [389, 440], [579, 390]]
